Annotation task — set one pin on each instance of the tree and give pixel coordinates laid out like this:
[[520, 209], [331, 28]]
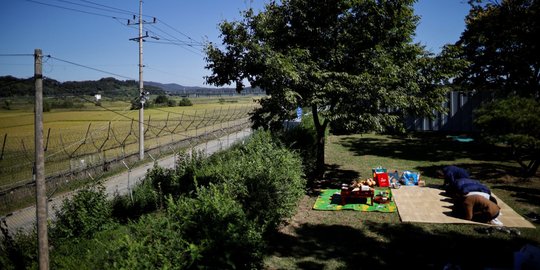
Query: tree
[[514, 121], [500, 43], [350, 62], [161, 99]]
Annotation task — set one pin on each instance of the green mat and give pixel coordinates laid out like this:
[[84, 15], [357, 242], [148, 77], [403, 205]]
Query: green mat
[[330, 200]]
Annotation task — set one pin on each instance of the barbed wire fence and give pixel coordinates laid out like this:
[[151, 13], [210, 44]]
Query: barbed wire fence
[[91, 154]]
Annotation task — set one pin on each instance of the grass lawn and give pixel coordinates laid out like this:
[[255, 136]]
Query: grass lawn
[[371, 240]]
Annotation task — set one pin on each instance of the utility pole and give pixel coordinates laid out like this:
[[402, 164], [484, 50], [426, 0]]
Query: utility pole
[[142, 94], [39, 165]]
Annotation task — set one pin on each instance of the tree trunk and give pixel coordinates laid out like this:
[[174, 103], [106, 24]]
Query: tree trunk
[[321, 141], [532, 168]]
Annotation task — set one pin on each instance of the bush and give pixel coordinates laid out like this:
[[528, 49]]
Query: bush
[[303, 139], [46, 106], [154, 242], [161, 99], [7, 104], [209, 231], [145, 200], [185, 102], [215, 223], [84, 214], [267, 178], [17, 251], [88, 254]]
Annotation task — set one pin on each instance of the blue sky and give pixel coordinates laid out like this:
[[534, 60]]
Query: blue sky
[[102, 42]]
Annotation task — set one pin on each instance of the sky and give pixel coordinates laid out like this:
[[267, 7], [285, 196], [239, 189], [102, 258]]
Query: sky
[[90, 39]]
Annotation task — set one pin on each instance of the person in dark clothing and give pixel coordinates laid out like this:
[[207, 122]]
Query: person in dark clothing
[[452, 173], [457, 182], [462, 186]]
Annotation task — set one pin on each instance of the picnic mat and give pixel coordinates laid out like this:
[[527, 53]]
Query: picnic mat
[[428, 204], [330, 200]]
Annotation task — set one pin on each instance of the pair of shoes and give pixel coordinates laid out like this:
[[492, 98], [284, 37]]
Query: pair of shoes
[[495, 221]]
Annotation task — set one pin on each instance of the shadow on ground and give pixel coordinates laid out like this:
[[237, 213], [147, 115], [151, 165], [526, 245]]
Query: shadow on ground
[[399, 246], [422, 147], [333, 178]]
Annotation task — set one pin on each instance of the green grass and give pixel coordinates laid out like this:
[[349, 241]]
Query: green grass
[[368, 240]]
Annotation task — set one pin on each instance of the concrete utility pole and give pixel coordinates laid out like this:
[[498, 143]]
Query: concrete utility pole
[[39, 165], [141, 85], [142, 94]]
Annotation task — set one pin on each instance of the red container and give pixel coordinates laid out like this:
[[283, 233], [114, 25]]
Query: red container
[[382, 179]]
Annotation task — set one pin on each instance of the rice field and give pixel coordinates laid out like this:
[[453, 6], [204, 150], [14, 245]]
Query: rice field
[[97, 133]]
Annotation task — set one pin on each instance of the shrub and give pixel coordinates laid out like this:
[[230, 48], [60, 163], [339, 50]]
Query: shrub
[[46, 106], [216, 224], [267, 178], [86, 213], [145, 200], [18, 251], [209, 231], [161, 99], [7, 104], [274, 182], [88, 253], [185, 102], [303, 139]]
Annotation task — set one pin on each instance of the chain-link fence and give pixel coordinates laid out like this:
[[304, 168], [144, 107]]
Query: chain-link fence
[[99, 149]]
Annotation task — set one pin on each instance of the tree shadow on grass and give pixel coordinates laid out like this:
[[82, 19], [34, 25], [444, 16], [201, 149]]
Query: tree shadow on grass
[[427, 147], [333, 178], [526, 195], [487, 172], [405, 246]]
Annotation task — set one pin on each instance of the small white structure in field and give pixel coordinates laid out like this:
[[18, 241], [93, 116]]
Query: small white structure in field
[[97, 96]]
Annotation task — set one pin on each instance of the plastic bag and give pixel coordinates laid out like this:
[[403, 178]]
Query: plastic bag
[[409, 178]]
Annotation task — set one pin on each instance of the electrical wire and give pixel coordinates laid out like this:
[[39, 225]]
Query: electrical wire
[[76, 10], [15, 54], [97, 8], [112, 8], [106, 8], [174, 29], [91, 68]]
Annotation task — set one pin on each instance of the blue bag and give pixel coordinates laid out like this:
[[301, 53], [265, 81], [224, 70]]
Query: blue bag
[[409, 178]]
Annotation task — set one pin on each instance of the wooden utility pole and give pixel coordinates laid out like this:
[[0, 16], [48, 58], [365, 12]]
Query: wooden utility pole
[[39, 165]]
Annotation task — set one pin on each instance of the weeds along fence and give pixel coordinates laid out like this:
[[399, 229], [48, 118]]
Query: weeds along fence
[[103, 148]]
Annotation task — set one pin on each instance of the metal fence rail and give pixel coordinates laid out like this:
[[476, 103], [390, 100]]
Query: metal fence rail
[[72, 156]]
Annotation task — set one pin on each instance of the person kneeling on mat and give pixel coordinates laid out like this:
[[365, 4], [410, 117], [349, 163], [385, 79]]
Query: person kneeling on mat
[[478, 208]]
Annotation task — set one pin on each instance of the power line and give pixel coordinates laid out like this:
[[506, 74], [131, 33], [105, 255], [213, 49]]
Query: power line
[[134, 13], [98, 8], [87, 67], [176, 44], [16, 54], [113, 8], [174, 29], [76, 10]]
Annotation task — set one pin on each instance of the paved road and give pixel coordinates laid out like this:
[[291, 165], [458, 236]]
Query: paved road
[[25, 218]]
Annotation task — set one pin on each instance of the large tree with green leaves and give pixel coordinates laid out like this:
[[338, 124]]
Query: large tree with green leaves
[[514, 121], [501, 44], [352, 62]]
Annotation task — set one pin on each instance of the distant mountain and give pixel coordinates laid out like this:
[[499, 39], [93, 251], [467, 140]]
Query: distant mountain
[[111, 87], [177, 89], [11, 86]]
